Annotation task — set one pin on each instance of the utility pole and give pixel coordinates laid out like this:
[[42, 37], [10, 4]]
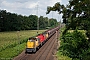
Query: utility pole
[[48, 23], [37, 21], [52, 15]]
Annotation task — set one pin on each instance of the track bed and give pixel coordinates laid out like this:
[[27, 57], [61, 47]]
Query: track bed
[[46, 52]]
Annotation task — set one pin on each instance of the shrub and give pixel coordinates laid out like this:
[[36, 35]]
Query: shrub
[[74, 44]]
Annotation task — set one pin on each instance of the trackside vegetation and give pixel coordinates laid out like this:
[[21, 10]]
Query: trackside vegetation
[[59, 54], [72, 46], [76, 16], [13, 43]]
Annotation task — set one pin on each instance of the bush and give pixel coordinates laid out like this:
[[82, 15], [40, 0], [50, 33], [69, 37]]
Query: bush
[[74, 45]]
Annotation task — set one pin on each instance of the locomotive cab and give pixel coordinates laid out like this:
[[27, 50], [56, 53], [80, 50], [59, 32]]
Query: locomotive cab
[[32, 43]]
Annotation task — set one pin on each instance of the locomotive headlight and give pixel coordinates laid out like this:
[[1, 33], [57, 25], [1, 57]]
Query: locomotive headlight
[[30, 40]]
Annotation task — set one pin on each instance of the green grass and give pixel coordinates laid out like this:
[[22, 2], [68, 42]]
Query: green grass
[[13, 43], [83, 31], [11, 52], [61, 57]]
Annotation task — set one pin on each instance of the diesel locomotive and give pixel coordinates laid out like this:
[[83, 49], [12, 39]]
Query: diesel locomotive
[[36, 42]]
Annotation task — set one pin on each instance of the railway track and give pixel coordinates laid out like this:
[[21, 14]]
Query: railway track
[[46, 52]]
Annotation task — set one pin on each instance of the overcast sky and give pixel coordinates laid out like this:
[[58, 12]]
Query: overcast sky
[[28, 7]]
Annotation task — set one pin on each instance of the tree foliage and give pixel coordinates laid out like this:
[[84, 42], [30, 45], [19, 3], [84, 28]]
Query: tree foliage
[[52, 22], [75, 15], [13, 22], [74, 45]]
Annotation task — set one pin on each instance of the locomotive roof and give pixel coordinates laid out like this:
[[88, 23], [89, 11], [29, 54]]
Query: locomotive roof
[[33, 38]]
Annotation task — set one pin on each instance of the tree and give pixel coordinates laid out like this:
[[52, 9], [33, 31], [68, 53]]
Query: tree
[[53, 22], [14, 22], [74, 45], [33, 21], [75, 15], [43, 22], [2, 19]]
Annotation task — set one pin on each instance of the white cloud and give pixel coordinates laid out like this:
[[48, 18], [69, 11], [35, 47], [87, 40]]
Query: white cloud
[[10, 5], [28, 7], [52, 2], [0, 0]]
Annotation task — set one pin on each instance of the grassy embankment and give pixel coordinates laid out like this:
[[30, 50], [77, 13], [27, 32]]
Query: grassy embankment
[[59, 54], [13, 43]]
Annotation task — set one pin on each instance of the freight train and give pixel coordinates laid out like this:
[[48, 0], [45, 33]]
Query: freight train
[[36, 42]]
